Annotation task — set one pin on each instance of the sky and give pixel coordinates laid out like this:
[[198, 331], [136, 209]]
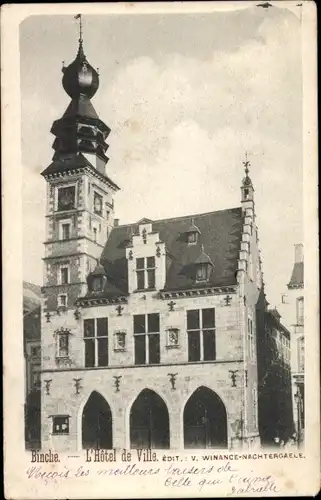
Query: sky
[[185, 95]]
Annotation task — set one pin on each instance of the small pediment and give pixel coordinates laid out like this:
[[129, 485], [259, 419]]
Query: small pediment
[[144, 221]]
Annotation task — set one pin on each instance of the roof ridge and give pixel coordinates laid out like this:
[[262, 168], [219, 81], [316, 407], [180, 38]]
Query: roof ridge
[[180, 217]]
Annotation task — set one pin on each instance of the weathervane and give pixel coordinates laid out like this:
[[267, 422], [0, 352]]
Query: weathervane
[[246, 164]]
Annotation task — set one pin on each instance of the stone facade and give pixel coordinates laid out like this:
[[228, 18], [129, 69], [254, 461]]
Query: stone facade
[[235, 352]]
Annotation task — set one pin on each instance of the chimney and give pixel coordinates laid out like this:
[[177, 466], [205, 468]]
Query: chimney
[[116, 222], [298, 252]]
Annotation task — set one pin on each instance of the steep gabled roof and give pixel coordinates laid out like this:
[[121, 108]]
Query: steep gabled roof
[[297, 277], [221, 233]]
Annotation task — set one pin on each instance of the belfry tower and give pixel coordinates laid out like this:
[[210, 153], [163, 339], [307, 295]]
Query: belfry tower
[[80, 195]]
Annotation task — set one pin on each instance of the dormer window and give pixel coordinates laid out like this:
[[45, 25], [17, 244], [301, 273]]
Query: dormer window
[[202, 272], [192, 237], [203, 267], [192, 234], [145, 272], [97, 284], [96, 279]]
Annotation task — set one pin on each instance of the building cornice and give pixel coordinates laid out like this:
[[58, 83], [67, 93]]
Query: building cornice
[[168, 294], [81, 170], [100, 301], [295, 287], [117, 367]]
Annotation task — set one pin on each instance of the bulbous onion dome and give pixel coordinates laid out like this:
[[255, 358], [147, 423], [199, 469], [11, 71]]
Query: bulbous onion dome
[[80, 78]]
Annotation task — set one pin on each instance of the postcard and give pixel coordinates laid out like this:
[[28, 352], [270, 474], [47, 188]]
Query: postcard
[[160, 250]]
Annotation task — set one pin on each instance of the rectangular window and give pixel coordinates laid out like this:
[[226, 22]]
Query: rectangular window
[[300, 311], [300, 344], [66, 198], [64, 275], [201, 335], [146, 338], [145, 271], [140, 350], [62, 344], [209, 345], [36, 351], [194, 346], [154, 349], [60, 424], [151, 278], [96, 342], [250, 337], [62, 300], [140, 280], [65, 229], [98, 204]]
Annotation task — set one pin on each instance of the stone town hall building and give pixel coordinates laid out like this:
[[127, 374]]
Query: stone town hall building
[[148, 329]]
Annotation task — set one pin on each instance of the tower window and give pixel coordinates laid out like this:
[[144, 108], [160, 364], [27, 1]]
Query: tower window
[[98, 204], [146, 335], [145, 272], [201, 335], [64, 275], [96, 342], [62, 300], [65, 230], [246, 194], [66, 198], [95, 233]]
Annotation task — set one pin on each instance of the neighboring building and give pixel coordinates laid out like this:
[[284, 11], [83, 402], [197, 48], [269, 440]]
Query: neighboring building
[[274, 376], [149, 329], [32, 357], [293, 306]]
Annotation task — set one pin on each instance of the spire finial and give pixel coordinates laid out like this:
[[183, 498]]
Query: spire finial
[[78, 16], [246, 164], [80, 39]]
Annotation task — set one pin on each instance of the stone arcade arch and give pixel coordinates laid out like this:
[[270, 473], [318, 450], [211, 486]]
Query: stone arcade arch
[[149, 422], [205, 420], [97, 423]]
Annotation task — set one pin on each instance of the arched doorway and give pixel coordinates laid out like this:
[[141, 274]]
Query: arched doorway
[[149, 422], [205, 420], [97, 423]]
